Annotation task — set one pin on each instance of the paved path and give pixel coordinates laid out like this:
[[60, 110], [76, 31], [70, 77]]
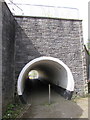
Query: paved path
[[59, 107]]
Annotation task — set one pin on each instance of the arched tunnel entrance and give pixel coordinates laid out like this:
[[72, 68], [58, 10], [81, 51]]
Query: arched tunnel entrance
[[46, 70]]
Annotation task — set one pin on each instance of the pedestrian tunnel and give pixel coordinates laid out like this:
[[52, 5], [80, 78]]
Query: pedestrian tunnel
[[47, 70]]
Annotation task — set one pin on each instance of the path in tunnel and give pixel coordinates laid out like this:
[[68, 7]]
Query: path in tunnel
[[37, 91], [59, 107]]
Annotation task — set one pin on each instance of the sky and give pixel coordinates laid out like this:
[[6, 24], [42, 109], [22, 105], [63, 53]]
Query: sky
[[80, 10]]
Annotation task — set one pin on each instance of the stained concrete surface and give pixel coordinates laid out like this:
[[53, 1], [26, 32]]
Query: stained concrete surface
[[59, 107]]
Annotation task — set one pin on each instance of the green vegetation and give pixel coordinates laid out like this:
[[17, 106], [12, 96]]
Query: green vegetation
[[13, 110], [75, 97], [88, 45]]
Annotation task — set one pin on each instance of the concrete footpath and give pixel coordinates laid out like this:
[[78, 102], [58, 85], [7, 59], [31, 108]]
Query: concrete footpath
[[59, 107]]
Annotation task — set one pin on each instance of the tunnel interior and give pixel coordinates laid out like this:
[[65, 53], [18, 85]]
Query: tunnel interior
[[40, 72], [51, 72]]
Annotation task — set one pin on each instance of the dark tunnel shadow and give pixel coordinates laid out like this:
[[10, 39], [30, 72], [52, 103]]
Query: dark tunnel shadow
[[25, 50], [35, 87]]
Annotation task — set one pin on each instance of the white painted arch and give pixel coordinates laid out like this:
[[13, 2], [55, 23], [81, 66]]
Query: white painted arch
[[61, 73]]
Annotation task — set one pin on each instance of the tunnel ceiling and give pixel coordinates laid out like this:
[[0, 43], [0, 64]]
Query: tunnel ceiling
[[51, 69]]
